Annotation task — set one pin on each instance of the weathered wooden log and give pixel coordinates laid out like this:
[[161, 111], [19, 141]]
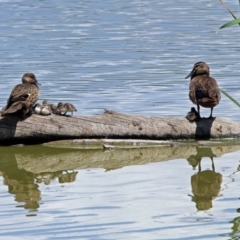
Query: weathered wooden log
[[39, 129]]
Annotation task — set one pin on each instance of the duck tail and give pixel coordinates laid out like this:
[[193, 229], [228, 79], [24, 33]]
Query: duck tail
[[12, 109]]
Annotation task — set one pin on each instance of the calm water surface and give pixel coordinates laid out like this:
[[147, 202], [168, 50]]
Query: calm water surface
[[129, 56], [152, 193], [132, 57]]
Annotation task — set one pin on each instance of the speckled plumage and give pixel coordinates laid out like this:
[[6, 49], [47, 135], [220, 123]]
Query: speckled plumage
[[192, 115], [203, 89], [66, 107], [52, 107], [23, 96]]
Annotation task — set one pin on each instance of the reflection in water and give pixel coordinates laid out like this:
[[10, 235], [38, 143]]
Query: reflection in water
[[25, 185], [21, 183], [235, 228], [67, 177], [206, 184], [63, 177], [24, 169], [195, 158]]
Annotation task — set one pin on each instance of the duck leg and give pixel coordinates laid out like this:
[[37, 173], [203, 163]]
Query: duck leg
[[199, 166], [198, 109], [211, 113], [213, 167]]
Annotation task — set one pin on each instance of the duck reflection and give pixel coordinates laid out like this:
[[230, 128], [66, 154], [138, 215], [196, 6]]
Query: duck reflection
[[206, 184], [67, 177], [25, 185], [63, 177], [27, 167], [20, 183]]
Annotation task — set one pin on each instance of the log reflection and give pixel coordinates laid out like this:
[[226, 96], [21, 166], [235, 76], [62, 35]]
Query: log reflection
[[206, 184], [24, 169]]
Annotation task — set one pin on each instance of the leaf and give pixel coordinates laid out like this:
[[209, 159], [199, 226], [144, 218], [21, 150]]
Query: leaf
[[229, 24], [231, 98], [232, 22]]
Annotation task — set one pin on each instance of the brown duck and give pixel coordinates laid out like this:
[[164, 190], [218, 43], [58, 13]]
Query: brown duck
[[203, 89], [192, 115], [23, 96], [53, 108], [66, 107]]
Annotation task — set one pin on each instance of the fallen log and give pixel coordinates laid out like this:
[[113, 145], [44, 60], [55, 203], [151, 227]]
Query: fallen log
[[39, 129]]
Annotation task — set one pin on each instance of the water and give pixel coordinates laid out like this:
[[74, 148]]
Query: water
[[131, 57], [152, 193], [128, 56]]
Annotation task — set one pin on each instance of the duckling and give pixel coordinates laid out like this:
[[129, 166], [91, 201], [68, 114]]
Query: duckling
[[192, 115], [37, 108], [203, 89], [66, 107], [23, 96], [42, 110], [71, 108], [62, 108], [52, 107], [46, 111]]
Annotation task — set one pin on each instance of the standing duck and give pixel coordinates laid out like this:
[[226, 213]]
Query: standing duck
[[66, 107], [23, 96], [203, 89]]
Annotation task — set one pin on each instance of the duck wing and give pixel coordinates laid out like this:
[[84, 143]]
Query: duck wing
[[204, 87], [22, 96], [19, 93]]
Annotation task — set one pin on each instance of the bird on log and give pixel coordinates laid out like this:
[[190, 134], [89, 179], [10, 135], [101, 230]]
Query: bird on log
[[23, 96], [203, 89]]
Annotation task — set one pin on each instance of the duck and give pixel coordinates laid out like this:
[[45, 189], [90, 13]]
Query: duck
[[42, 110], [23, 96], [37, 108], [203, 89], [192, 115], [51, 106], [46, 110], [66, 107]]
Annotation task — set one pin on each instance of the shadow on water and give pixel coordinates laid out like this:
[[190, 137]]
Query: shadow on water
[[25, 168], [206, 184]]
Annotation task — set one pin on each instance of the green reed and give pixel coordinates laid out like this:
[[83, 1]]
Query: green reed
[[230, 97], [233, 22]]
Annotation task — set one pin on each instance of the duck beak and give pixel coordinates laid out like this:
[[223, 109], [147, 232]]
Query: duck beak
[[190, 74]]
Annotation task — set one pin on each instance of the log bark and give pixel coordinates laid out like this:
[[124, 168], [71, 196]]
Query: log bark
[[39, 129]]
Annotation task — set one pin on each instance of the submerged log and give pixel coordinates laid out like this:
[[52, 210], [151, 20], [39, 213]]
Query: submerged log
[[39, 129]]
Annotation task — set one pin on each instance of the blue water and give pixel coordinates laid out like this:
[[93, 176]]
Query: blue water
[[122, 194], [131, 57]]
